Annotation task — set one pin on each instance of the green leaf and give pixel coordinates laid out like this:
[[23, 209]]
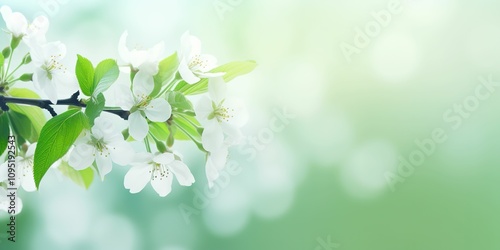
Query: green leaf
[[35, 117], [4, 132], [106, 74], [167, 69], [233, 70], [186, 131], [82, 178], [179, 101], [2, 60], [159, 130], [21, 126], [94, 107], [57, 136], [85, 75]]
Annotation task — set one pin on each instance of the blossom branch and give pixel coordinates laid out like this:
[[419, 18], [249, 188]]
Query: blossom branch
[[46, 104]]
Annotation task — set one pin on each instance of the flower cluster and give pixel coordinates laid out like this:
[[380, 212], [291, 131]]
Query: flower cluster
[[154, 100]]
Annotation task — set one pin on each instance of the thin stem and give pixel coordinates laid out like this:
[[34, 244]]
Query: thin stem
[[14, 71], [8, 65], [46, 104], [146, 143]]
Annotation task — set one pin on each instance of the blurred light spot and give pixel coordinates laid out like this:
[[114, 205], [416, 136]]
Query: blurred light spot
[[277, 172], [67, 217], [278, 158], [169, 227], [363, 173], [113, 232], [482, 46], [395, 58], [271, 18], [228, 213], [330, 141], [431, 13], [302, 91]]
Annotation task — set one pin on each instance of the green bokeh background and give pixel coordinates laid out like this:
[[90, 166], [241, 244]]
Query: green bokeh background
[[323, 176]]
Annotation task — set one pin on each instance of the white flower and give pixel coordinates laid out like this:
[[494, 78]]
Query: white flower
[[5, 201], [141, 60], [24, 170], [141, 105], [221, 118], [192, 64], [49, 72], [158, 169], [18, 25], [16, 22], [216, 161], [104, 145]]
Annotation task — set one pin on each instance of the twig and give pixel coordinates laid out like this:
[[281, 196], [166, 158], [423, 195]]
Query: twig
[[46, 104]]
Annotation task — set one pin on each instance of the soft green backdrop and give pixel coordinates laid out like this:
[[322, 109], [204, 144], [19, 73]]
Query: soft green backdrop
[[322, 178]]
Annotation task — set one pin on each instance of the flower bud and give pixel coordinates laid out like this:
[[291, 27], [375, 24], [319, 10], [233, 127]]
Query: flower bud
[[26, 77], [15, 42], [6, 52], [27, 59]]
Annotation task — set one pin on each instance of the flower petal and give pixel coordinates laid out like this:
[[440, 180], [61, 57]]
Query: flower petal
[[31, 150], [234, 134], [182, 173], [16, 22], [40, 78], [211, 172], [51, 91], [124, 98], [203, 109], [122, 48], [162, 185], [141, 158], [3, 171], [35, 33], [186, 73], [143, 85], [121, 153], [137, 178], [102, 127], [217, 89], [138, 126], [104, 164], [219, 157], [194, 45], [28, 179], [82, 156], [237, 111], [158, 110], [208, 62], [164, 159], [212, 137], [56, 49]]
